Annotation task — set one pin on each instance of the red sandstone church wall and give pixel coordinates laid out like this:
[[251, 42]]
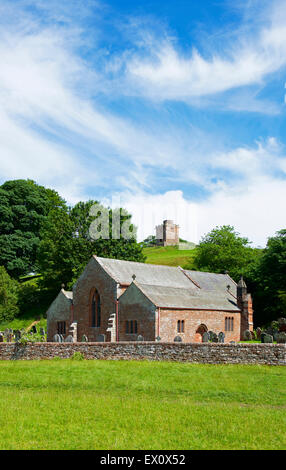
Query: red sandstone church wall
[[166, 326], [93, 277]]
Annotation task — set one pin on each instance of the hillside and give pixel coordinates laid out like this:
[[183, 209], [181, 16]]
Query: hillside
[[169, 255]]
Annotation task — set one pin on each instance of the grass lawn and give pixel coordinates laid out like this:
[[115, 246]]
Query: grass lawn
[[68, 404], [169, 255]]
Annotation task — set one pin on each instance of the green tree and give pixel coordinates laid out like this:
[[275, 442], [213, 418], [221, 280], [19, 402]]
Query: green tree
[[9, 291], [269, 280], [67, 245], [222, 250], [24, 206]]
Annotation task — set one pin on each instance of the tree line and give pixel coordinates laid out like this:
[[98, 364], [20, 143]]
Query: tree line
[[44, 239]]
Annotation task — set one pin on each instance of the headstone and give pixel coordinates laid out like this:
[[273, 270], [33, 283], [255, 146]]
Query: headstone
[[262, 336], [18, 335], [62, 339], [34, 329], [211, 333], [267, 338], [69, 339], [258, 332], [215, 338], [57, 339], [158, 338], [1, 338], [275, 334], [281, 337], [205, 337], [84, 339], [42, 331], [140, 338], [100, 339], [247, 335], [221, 337], [178, 339]]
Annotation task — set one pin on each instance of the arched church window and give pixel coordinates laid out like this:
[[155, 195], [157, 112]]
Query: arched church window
[[95, 309]]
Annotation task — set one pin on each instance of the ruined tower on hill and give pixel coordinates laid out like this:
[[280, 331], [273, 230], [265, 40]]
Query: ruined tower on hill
[[167, 234]]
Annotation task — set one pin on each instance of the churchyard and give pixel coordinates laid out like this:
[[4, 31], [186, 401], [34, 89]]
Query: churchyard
[[80, 404]]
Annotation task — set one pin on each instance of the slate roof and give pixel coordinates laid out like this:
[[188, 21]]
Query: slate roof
[[170, 297], [68, 294], [212, 281], [173, 287], [156, 275]]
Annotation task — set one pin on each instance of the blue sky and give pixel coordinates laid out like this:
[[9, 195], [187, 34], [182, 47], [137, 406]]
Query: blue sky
[[173, 109]]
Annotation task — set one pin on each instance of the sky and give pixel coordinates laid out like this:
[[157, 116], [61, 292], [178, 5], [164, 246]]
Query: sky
[[171, 109]]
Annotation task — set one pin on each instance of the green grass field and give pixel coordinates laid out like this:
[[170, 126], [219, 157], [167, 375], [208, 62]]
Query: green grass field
[[169, 255], [68, 404]]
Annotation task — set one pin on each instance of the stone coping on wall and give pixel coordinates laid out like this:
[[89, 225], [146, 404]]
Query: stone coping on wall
[[210, 353]]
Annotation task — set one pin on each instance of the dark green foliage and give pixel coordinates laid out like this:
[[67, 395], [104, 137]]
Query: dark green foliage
[[268, 280], [24, 206], [66, 245], [9, 292], [224, 250]]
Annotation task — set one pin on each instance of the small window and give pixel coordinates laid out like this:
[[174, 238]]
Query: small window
[[181, 326], [61, 327], [228, 324], [131, 327]]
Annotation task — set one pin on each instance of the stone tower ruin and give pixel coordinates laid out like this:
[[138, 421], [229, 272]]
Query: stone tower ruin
[[167, 234]]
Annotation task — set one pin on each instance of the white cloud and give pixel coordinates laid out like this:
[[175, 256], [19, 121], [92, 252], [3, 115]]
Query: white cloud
[[165, 74]]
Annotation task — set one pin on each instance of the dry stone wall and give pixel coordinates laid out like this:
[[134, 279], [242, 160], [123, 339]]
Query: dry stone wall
[[208, 353]]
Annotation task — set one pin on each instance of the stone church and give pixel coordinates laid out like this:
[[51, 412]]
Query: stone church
[[115, 300]]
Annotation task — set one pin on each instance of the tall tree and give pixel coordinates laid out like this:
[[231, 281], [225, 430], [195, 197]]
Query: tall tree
[[68, 242], [269, 280], [223, 249], [24, 206]]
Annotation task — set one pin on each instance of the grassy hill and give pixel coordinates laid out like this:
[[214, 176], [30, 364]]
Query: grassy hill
[[169, 255]]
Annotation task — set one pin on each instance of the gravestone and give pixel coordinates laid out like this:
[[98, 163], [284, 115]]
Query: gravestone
[[1, 338], [262, 336], [34, 329], [57, 339], [140, 338], [84, 339], [275, 334], [267, 338], [18, 335], [258, 332], [214, 338], [69, 339], [247, 335], [205, 337], [100, 339], [281, 337], [211, 333], [178, 339], [62, 339], [42, 331], [221, 337]]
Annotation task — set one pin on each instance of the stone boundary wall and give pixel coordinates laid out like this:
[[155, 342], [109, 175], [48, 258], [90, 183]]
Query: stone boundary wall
[[207, 353]]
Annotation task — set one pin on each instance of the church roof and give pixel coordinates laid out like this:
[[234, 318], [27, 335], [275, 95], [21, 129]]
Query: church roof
[[213, 281], [122, 271], [173, 287], [170, 297]]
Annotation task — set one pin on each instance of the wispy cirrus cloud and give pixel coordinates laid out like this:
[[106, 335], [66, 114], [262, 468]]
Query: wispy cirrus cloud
[[161, 71]]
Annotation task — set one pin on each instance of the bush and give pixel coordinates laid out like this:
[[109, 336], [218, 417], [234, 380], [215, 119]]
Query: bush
[[77, 356]]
